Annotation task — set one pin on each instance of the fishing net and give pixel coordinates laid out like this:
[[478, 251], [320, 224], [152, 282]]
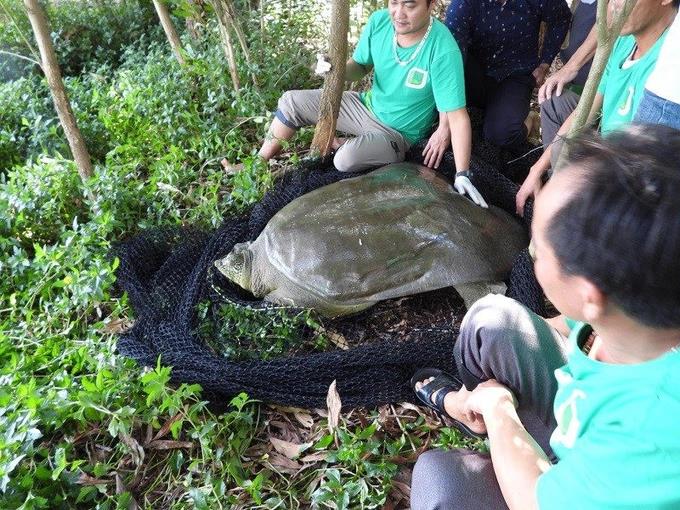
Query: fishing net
[[182, 304]]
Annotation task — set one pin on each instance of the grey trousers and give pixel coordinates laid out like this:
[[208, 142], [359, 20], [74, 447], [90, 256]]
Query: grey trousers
[[554, 112], [374, 143], [499, 339]]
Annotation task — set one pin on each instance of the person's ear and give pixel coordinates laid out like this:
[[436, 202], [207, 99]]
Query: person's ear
[[593, 301]]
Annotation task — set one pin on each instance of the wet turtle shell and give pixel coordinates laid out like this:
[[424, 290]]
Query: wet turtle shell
[[399, 230]]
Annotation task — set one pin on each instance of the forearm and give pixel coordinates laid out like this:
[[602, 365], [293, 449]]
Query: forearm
[[517, 459], [585, 52], [461, 137], [355, 71]]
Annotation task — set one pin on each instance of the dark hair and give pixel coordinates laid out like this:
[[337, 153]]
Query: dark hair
[[621, 228], [676, 4]]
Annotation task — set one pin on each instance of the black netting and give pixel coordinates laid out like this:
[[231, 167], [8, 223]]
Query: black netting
[[167, 273]]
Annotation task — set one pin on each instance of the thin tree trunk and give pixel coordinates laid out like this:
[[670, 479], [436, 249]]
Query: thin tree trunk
[[194, 22], [606, 37], [169, 29], [59, 96], [334, 83], [227, 16], [231, 58]]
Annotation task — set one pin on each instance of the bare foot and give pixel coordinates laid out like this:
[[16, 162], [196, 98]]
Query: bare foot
[[453, 405]]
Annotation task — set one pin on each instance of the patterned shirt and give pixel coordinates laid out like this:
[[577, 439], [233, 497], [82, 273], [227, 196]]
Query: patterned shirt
[[504, 36]]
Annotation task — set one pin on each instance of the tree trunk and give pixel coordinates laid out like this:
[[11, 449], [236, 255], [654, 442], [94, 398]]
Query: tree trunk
[[59, 96], [195, 22], [334, 83], [226, 15], [606, 37], [170, 31], [228, 48]]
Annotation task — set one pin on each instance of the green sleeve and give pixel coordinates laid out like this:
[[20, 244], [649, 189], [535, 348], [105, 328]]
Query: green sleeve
[[448, 82], [362, 53]]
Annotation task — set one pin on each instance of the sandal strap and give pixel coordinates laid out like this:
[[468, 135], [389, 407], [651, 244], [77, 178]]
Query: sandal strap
[[441, 395]]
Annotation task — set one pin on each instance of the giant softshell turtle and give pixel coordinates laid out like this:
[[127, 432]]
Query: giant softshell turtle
[[396, 231]]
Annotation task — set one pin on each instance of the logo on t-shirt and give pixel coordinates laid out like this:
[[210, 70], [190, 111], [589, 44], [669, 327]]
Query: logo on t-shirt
[[568, 422], [416, 78], [625, 107]]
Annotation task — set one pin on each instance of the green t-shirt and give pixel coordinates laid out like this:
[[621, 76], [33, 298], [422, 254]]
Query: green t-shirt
[[622, 84], [407, 98], [617, 434]]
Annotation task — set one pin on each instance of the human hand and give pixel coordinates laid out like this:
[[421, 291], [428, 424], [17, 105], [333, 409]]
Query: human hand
[[486, 397], [465, 187], [556, 82], [540, 73], [530, 188], [322, 65], [436, 146]]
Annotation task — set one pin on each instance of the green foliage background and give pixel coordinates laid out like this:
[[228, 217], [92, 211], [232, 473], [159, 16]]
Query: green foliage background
[[73, 413]]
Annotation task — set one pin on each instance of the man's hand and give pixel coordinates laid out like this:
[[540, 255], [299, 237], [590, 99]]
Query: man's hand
[[540, 73], [530, 188], [556, 82], [465, 187], [437, 145], [488, 396], [322, 65]]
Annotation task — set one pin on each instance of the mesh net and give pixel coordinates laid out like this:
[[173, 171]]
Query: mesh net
[[174, 290]]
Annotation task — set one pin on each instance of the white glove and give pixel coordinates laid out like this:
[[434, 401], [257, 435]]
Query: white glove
[[465, 187], [322, 65]]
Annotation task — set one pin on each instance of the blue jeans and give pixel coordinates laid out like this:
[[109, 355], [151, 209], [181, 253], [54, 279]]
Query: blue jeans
[[657, 110]]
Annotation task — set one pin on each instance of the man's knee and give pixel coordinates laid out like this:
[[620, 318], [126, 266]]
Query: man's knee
[[488, 335], [345, 161], [556, 109], [490, 316], [504, 133], [427, 491]]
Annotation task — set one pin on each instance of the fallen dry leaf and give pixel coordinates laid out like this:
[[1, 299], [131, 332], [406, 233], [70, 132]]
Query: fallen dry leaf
[[290, 450], [334, 405], [161, 444], [166, 426], [283, 463], [136, 451], [117, 326], [305, 419], [314, 457], [85, 479]]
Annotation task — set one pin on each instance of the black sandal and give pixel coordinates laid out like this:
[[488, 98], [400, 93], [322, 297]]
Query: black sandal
[[442, 384]]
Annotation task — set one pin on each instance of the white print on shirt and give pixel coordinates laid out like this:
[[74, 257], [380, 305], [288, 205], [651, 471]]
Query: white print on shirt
[[568, 423], [625, 107], [416, 78]]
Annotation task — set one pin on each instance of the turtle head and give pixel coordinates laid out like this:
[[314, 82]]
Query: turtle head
[[238, 266]]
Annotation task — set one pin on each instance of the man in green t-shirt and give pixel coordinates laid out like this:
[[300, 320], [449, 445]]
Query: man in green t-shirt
[[417, 72], [620, 91], [583, 419]]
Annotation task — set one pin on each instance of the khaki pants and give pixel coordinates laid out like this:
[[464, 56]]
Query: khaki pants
[[374, 143]]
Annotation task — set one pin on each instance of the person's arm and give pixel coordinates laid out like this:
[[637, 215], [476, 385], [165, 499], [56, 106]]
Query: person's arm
[[461, 137], [517, 459], [584, 54], [438, 142], [355, 71], [557, 16], [461, 140], [533, 182]]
